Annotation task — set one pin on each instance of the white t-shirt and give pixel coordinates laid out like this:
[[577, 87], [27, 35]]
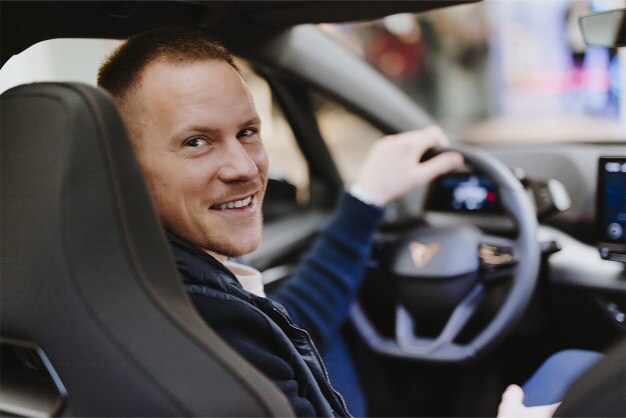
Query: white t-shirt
[[250, 278]]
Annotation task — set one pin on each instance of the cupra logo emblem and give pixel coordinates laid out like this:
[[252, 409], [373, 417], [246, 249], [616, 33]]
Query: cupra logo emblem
[[421, 254]]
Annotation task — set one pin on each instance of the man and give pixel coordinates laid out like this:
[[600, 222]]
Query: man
[[197, 136]]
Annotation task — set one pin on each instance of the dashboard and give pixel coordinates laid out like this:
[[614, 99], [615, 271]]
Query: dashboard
[[587, 276], [465, 193]]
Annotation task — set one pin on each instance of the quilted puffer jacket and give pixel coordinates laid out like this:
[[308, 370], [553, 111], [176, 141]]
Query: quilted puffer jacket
[[277, 335]]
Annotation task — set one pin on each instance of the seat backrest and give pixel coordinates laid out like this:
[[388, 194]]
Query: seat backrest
[[87, 276]]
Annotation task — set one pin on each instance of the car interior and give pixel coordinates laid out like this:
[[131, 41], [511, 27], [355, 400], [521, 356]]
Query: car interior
[[94, 320]]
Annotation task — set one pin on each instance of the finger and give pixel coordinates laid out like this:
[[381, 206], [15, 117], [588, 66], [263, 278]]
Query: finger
[[438, 165], [513, 393], [423, 139], [510, 403]]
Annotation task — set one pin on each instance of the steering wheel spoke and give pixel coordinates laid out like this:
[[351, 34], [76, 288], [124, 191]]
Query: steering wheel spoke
[[411, 343]]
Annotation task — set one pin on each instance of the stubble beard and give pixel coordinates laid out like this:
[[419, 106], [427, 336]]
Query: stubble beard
[[217, 245], [229, 248]]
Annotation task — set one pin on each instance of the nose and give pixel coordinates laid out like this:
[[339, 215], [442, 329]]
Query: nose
[[236, 163]]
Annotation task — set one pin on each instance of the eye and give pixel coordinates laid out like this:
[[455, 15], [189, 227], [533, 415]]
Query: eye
[[195, 142], [246, 133]]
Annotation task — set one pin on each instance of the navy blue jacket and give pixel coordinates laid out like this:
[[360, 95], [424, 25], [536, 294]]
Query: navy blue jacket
[[277, 335]]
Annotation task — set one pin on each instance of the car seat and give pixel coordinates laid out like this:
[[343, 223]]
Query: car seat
[[94, 320]]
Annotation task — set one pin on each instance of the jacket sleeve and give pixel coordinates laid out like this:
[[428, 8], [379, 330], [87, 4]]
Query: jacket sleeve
[[319, 293], [249, 333]]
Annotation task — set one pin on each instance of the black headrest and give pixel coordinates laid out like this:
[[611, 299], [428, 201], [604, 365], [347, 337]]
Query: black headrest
[[87, 274]]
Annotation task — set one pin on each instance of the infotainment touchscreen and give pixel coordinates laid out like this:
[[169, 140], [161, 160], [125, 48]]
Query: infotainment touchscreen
[[611, 207]]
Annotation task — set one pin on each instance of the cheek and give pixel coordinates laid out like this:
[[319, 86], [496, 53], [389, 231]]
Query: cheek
[[164, 181], [161, 192], [261, 160]]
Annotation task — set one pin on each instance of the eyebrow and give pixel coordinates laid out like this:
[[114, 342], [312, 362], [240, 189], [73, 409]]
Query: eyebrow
[[199, 128], [253, 121]]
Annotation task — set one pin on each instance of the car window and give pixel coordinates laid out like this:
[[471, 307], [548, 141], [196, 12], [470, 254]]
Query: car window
[[56, 60], [348, 135]]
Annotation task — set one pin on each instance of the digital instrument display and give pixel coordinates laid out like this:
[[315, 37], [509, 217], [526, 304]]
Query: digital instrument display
[[463, 192], [611, 208]]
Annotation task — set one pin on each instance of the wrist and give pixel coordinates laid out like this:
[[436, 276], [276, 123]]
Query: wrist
[[361, 193]]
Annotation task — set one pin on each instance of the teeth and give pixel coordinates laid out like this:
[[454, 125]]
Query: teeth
[[236, 204]]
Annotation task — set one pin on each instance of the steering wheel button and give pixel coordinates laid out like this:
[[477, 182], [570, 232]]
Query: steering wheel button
[[490, 255]]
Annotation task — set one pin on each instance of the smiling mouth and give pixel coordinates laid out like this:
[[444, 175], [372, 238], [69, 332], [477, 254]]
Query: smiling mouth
[[235, 204]]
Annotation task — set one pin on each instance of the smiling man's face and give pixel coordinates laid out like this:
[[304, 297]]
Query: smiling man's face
[[197, 137]]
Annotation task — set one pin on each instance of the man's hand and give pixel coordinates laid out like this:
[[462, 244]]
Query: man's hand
[[392, 168], [512, 406]]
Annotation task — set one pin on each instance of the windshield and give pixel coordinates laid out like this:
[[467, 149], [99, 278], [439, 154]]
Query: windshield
[[502, 71]]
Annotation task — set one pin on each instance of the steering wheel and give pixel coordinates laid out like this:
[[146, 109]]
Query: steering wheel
[[449, 268]]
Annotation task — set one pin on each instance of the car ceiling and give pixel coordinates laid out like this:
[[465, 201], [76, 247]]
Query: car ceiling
[[24, 23]]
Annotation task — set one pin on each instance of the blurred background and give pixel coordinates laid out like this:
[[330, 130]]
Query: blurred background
[[499, 60]]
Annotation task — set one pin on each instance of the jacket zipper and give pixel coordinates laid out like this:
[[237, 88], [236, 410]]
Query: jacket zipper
[[319, 359]]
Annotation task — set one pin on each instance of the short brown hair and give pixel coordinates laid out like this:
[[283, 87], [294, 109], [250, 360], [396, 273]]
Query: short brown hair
[[121, 71]]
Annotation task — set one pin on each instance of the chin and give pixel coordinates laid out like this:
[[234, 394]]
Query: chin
[[235, 250], [234, 240]]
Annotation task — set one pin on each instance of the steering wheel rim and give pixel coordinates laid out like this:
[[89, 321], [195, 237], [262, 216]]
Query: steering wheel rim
[[517, 203]]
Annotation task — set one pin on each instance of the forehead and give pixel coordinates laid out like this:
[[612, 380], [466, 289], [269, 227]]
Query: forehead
[[207, 79], [211, 92]]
